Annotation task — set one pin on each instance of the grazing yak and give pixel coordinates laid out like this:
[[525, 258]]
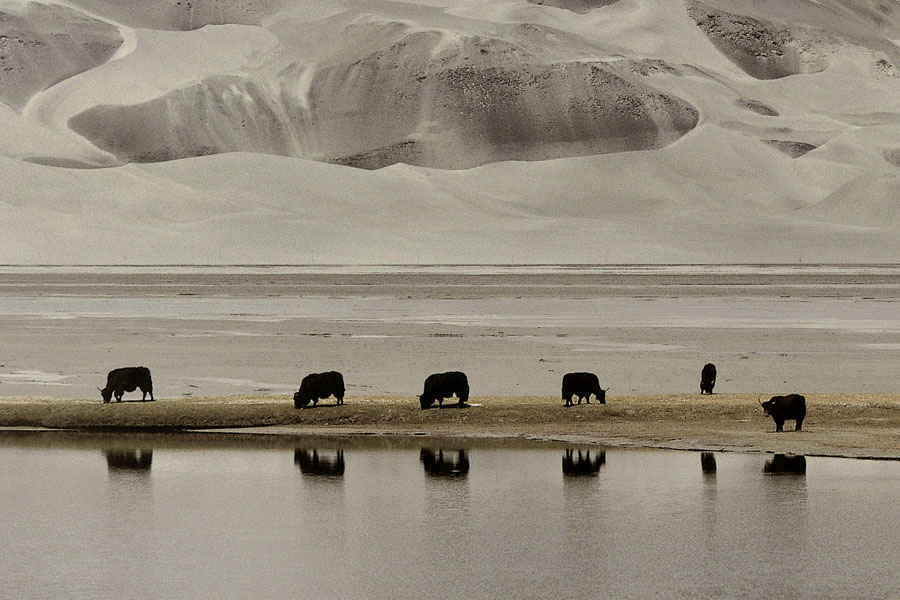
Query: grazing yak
[[443, 385], [316, 386], [707, 379], [582, 385], [127, 379], [785, 408]]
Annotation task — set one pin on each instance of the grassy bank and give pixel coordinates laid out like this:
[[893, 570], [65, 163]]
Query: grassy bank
[[836, 424]]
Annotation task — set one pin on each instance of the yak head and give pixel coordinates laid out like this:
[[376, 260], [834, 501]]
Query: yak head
[[425, 401], [601, 396], [106, 394], [300, 400], [768, 406]]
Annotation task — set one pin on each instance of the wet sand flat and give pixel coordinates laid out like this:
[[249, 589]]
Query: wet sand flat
[[514, 330]]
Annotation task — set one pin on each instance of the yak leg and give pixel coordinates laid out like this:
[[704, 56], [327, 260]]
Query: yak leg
[[799, 424], [779, 425]]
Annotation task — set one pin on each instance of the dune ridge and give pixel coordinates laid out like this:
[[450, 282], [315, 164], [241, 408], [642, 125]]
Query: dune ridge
[[659, 130]]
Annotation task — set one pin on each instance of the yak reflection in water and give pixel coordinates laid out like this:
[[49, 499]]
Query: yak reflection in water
[[449, 463], [118, 459], [584, 462], [311, 462], [708, 463], [786, 464]]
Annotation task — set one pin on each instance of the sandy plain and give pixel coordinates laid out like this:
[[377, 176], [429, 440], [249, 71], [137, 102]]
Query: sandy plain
[[227, 346]]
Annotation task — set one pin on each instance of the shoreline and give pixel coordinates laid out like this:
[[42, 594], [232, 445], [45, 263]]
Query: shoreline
[[863, 426]]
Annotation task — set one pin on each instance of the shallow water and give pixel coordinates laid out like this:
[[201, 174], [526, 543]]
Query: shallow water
[[102, 518], [513, 330]]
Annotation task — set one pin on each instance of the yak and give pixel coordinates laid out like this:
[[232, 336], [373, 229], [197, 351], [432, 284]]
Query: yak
[[127, 379], [316, 386], [582, 385], [785, 408], [444, 385], [707, 379]]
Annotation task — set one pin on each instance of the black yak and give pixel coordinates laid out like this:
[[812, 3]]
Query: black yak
[[785, 408], [444, 385], [707, 379], [582, 385], [316, 386], [127, 379]]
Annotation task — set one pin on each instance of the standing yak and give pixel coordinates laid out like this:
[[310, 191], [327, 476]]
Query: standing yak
[[707, 379], [127, 379], [582, 385], [316, 386], [443, 385], [785, 408]]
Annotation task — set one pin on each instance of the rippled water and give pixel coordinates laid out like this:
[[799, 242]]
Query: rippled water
[[141, 517]]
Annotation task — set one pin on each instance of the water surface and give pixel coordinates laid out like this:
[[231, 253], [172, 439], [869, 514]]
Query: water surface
[[118, 516]]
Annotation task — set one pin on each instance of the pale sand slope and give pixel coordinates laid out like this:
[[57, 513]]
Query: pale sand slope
[[653, 130]]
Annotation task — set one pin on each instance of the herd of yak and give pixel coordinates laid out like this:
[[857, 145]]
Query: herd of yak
[[440, 386]]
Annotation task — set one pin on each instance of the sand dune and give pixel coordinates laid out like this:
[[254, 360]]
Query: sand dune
[[564, 130]]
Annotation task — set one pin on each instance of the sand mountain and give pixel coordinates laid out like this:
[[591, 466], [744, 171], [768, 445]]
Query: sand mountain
[[449, 131]]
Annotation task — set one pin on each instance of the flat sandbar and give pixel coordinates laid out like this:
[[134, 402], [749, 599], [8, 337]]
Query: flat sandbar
[[849, 425]]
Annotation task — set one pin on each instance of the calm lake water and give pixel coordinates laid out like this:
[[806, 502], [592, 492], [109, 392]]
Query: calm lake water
[[214, 516]]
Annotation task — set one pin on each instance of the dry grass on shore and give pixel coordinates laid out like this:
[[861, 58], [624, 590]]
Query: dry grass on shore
[[836, 424]]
